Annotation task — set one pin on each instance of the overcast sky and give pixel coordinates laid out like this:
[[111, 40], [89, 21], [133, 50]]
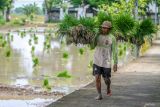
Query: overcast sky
[[19, 3]]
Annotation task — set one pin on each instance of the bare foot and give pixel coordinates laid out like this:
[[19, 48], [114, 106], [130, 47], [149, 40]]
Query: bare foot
[[109, 93], [99, 97]]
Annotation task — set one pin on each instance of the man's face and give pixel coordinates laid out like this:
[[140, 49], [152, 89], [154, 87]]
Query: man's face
[[105, 30]]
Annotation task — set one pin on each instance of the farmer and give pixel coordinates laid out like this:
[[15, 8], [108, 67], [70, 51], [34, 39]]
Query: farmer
[[103, 58]]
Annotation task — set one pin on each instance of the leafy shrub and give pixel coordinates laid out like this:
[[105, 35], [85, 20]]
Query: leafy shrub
[[142, 29], [123, 23], [146, 27]]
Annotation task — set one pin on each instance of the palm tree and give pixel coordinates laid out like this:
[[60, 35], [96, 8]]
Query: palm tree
[[48, 5], [30, 10]]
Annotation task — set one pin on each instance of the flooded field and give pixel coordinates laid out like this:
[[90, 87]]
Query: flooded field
[[18, 70]]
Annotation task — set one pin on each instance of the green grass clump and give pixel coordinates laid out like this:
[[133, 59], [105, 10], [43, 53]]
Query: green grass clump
[[81, 51], [8, 53], [64, 74], [32, 50], [22, 34], [47, 42], [35, 61], [65, 55], [4, 43], [46, 84], [35, 39], [30, 42]]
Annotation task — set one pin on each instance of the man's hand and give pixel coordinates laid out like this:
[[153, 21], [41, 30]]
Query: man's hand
[[115, 67]]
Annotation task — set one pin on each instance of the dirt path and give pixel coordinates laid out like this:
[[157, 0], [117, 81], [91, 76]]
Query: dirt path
[[135, 85]]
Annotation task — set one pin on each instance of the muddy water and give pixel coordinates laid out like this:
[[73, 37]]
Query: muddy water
[[17, 69]]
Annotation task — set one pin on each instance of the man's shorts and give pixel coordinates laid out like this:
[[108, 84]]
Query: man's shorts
[[105, 72]]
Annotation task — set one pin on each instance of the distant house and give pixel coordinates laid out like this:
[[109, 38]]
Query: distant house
[[58, 13], [153, 13], [55, 13]]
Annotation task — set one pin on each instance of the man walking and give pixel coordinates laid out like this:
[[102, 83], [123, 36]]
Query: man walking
[[103, 58]]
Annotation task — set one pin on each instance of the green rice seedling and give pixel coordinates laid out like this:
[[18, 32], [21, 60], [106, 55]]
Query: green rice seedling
[[65, 55], [22, 34], [35, 61], [81, 51], [64, 74], [32, 50], [8, 53], [35, 39], [46, 84], [30, 42], [4, 43]]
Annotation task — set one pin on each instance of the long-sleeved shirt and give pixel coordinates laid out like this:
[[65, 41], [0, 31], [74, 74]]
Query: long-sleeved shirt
[[105, 50]]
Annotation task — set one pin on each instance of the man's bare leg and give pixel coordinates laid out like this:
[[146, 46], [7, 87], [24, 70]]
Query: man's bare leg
[[98, 86], [108, 84]]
